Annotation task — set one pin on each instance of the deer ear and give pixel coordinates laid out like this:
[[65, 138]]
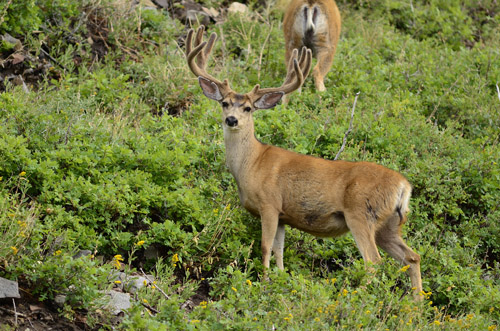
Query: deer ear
[[210, 89], [268, 100]]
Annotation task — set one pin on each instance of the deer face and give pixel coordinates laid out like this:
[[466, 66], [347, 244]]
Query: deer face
[[237, 109]]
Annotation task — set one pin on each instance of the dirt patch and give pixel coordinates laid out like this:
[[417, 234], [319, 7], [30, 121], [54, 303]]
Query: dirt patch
[[27, 313]]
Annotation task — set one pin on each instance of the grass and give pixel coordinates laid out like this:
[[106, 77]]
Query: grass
[[126, 149]]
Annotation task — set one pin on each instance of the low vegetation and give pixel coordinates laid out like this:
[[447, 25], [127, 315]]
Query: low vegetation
[[114, 149]]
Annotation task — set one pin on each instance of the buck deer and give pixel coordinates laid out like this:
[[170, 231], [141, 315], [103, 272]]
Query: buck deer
[[316, 25], [322, 197]]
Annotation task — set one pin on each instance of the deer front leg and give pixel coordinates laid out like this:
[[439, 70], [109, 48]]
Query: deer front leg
[[269, 222], [278, 245]]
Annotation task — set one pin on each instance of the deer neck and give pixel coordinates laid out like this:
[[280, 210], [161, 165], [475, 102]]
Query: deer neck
[[242, 149]]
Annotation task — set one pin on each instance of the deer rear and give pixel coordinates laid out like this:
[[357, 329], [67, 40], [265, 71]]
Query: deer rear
[[316, 25]]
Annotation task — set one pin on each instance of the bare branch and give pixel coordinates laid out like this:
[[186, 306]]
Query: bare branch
[[159, 289], [348, 130]]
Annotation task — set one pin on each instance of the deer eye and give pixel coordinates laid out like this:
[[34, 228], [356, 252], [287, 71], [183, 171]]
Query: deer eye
[[247, 109], [224, 104]]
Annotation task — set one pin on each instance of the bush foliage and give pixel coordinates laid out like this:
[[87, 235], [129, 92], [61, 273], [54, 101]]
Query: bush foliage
[[127, 149]]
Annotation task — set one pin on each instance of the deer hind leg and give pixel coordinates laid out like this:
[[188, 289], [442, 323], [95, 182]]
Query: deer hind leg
[[364, 235], [389, 239], [323, 65], [278, 245]]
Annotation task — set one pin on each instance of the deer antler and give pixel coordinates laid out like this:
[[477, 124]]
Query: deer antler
[[197, 57], [297, 72]]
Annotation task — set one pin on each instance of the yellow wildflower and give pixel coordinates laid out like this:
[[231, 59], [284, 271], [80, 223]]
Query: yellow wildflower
[[344, 292], [492, 327], [140, 243], [195, 321], [317, 319], [403, 269], [145, 282], [116, 261], [249, 282], [294, 291], [22, 174], [58, 252], [14, 249], [175, 258], [437, 322], [118, 281], [234, 289], [144, 300], [1, 178]]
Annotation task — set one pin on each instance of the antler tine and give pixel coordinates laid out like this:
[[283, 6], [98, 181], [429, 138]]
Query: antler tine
[[197, 57], [295, 75], [302, 58], [305, 61]]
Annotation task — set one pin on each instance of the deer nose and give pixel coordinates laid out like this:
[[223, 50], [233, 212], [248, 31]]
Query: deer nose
[[231, 121]]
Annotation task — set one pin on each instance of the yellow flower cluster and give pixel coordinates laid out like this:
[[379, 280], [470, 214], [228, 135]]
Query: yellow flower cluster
[[116, 261], [203, 304], [289, 317], [175, 259], [249, 282], [403, 269]]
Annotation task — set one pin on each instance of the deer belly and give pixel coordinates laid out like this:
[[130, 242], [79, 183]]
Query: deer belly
[[331, 224]]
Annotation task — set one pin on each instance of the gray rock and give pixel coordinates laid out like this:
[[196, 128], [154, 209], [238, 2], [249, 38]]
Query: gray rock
[[59, 300], [11, 40], [118, 302], [134, 284], [237, 7], [82, 253], [130, 284], [8, 289]]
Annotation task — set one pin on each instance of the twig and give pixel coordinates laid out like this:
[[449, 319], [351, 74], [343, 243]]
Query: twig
[[15, 311], [262, 50], [52, 59], [150, 308], [4, 11], [159, 289], [348, 130], [12, 312], [498, 91]]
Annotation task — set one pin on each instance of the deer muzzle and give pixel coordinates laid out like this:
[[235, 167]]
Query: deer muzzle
[[231, 121]]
